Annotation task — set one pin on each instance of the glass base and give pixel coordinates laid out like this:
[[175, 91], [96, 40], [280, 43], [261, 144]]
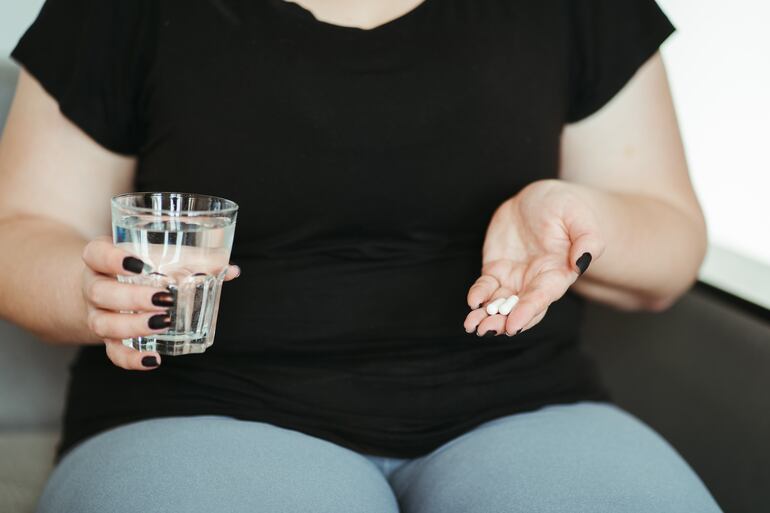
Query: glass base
[[171, 345]]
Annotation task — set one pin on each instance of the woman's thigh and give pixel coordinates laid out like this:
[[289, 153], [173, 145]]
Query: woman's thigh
[[585, 457], [207, 464]]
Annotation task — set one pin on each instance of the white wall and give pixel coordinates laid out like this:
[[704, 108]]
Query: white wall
[[719, 67], [15, 17]]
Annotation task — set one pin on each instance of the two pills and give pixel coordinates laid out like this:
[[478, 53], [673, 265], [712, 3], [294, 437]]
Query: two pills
[[502, 305]]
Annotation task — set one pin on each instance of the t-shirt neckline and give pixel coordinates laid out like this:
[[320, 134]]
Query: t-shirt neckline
[[308, 19]]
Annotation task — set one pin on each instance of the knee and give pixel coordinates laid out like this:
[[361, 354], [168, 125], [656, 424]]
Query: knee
[[220, 466], [589, 459]]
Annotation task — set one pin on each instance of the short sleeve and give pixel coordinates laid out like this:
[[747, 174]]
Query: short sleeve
[[611, 40], [93, 56]]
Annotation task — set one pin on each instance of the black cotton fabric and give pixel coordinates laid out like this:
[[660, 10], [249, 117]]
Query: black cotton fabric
[[367, 165]]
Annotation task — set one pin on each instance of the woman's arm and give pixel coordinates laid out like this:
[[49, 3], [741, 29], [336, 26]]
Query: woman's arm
[[55, 189], [627, 162], [624, 197]]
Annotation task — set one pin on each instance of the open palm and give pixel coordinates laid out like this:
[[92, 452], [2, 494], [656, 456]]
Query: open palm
[[537, 244]]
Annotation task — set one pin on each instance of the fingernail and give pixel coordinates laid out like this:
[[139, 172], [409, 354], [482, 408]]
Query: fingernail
[[133, 265], [163, 299], [149, 361], [237, 270], [583, 262], [159, 321], [490, 333]]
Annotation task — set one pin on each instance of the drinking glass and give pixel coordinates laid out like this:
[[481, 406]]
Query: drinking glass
[[184, 241]]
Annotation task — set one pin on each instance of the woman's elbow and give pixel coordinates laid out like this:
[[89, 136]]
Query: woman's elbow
[[692, 259]]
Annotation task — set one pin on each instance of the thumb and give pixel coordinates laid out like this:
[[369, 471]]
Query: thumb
[[587, 245], [583, 251]]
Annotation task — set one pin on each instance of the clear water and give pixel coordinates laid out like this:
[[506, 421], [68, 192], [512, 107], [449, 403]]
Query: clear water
[[187, 256]]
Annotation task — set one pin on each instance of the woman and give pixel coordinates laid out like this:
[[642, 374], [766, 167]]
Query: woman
[[399, 165]]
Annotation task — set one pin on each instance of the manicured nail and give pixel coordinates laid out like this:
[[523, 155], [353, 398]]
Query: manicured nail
[[583, 262], [490, 333], [237, 270], [162, 299], [133, 265], [159, 321], [149, 361]]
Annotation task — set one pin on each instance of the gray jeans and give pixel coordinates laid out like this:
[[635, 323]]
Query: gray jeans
[[585, 457]]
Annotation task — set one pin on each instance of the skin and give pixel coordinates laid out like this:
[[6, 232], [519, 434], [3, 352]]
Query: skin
[[630, 205]]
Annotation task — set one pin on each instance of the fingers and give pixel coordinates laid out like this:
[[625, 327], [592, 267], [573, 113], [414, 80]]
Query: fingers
[[103, 257], [535, 320], [528, 307], [524, 313], [109, 294], [233, 271], [131, 359], [491, 325], [483, 322], [473, 319], [489, 310], [106, 324], [498, 279], [482, 290], [534, 301]]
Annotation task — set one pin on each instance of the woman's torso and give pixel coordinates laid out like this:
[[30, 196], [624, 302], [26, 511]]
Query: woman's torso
[[366, 165]]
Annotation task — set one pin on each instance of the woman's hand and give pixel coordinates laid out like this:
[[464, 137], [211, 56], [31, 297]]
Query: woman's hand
[[106, 298], [537, 244]]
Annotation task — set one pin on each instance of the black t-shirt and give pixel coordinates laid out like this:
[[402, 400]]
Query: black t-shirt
[[367, 165]]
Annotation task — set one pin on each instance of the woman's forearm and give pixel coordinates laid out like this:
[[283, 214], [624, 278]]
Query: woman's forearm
[[653, 250], [40, 287]]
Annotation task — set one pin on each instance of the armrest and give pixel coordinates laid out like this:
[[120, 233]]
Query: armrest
[[699, 374]]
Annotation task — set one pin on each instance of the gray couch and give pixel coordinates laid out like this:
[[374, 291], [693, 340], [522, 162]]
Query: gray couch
[[698, 373]]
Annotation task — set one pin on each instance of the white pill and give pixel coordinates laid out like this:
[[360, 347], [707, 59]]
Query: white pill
[[493, 307], [508, 305]]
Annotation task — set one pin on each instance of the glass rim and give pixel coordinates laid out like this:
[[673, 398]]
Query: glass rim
[[230, 208]]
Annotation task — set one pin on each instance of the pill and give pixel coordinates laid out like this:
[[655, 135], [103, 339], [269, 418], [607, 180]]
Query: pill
[[493, 307], [508, 305]]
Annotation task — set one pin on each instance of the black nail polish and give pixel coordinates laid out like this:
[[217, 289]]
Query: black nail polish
[[159, 321], [149, 361], [133, 265], [163, 299], [490, 333], [583, 262]]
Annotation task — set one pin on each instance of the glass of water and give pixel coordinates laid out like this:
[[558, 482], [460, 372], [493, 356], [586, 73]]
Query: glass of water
[[184, 241]]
